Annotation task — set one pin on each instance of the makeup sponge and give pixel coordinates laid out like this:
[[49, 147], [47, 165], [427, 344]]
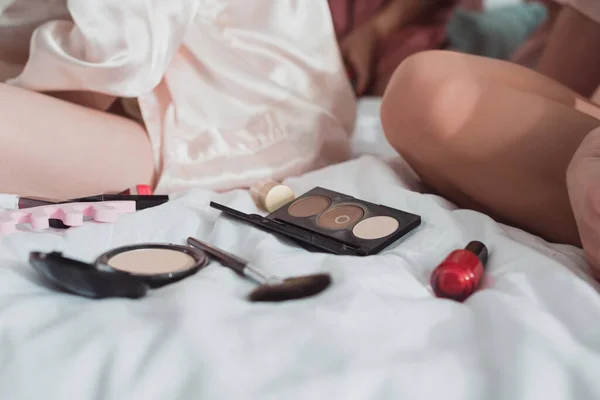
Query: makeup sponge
[[270, 195]]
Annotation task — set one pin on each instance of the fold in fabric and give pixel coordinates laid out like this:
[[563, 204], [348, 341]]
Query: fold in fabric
[[230, 91], [589, 8], [114, 47]]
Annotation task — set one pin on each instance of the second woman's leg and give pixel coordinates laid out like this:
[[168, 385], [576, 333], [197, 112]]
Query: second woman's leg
[[490, 136], [52, 148]]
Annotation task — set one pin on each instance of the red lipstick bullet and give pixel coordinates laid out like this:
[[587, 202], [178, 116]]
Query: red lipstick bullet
[[459, 275]]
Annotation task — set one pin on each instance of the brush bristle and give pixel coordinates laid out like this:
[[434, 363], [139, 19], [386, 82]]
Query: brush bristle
[[292, 288]]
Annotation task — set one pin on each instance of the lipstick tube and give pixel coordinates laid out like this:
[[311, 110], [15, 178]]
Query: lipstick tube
[[460, 274]]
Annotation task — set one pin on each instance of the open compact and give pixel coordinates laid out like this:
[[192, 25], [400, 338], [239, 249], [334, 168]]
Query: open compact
[[127, 271], [325, 220]]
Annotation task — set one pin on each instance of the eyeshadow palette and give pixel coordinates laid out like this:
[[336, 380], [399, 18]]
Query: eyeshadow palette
[[325, 220]]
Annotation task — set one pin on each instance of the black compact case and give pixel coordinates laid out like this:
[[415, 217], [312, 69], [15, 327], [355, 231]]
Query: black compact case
[[102, 280], [325, 220]]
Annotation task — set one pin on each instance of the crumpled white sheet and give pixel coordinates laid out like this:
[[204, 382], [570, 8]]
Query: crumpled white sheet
[[377, 333]]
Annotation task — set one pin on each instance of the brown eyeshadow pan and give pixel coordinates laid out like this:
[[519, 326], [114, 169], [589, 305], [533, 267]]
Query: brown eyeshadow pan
[[341, 217], [309, 206]]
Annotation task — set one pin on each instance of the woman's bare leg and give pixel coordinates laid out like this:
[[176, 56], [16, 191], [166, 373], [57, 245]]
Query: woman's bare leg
[[52, 148], [491, 136]]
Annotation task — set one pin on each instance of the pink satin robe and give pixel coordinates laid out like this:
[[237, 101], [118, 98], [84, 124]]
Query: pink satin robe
[[230, 91]]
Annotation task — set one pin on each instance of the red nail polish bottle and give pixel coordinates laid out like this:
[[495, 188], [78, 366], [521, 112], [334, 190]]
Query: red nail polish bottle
[[459, 275]]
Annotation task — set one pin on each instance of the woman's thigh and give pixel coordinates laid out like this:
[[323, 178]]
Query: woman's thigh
[[57, 149], [491, 136]]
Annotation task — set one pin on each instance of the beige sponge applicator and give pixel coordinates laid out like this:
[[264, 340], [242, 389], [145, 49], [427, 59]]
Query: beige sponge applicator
[[271, 195]]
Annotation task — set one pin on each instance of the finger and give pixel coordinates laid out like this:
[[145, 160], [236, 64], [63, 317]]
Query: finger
[[348, 67], [350, 73], [362, 76], [361, 84], [353, 74]]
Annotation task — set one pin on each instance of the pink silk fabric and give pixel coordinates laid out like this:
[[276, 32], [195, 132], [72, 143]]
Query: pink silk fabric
[[230, 91]]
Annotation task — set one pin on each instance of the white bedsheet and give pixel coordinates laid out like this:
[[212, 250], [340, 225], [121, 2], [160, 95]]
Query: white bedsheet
[[377, 333]]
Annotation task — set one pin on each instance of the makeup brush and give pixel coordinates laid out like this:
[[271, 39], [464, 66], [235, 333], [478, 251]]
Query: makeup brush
[[271, 288]]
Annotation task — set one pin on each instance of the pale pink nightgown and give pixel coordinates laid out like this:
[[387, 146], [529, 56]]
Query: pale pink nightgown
[[230, 91]]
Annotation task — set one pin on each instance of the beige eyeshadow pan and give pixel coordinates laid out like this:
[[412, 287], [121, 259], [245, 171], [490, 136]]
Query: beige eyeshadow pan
[[375, 227]]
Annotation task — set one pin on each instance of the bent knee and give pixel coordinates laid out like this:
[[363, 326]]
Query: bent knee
[[428, 101]]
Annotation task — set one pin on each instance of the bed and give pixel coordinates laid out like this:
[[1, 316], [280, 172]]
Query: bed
[[376, 333]]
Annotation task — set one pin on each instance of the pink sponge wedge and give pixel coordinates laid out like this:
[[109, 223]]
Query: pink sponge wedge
[[71, 214]]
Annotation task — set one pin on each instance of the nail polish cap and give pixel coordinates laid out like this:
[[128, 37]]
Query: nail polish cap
[[479, 249]]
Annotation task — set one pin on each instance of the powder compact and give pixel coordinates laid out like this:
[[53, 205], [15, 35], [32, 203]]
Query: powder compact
[[325, 220], [126, 271]]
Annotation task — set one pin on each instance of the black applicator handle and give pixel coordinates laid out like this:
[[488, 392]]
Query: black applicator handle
[[227, 259], [235, 263], [141, 201]]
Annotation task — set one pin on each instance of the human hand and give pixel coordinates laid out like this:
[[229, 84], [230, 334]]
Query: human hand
[[358, 49], [583, 183]]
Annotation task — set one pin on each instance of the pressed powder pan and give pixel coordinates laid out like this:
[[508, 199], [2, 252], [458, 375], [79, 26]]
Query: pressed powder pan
[[126, 271], [154, 264]]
